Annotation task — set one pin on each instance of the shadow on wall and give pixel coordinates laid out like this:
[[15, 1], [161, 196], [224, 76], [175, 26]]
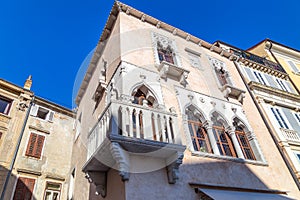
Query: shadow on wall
[[18, 188], [224, 177]]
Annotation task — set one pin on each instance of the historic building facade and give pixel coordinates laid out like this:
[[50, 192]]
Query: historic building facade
[[39, 161], [275, 82], [165, 115]]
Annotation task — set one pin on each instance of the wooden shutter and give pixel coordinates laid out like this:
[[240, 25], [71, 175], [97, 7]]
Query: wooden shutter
[[24, 189], [293, 66], [35, 145], [250, 74], [289, 85], [50, 116], [271, 81], [34, 110]]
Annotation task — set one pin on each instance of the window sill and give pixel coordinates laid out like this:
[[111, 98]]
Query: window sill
[[173, 71], [238, 160], [4, 118]]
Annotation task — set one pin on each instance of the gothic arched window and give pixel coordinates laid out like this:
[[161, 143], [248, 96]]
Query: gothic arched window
[[143, 96], [165, 54], [198, 133], [244, 143], [223, 140]]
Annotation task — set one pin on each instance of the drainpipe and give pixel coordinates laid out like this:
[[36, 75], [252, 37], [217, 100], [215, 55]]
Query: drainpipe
[[270, 47], [269, 128], [16, 150]]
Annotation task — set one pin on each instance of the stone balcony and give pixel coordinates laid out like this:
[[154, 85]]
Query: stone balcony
[[290, 135], [126, 130]]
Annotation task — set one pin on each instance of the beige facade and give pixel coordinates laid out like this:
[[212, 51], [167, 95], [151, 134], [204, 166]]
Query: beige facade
[[165, 115], [43, 160], [286, 129]]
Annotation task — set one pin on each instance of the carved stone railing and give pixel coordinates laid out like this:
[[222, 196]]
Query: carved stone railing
[[290, 135], [133, 121]]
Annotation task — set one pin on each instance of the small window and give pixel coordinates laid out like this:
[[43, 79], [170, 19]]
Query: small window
[[24, 188], [5, 105], [244, 143], [52, 191], [35, 145], [165, 54], [42, 113]]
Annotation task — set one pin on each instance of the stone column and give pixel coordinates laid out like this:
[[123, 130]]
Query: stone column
[[213, 143], [231, 131]]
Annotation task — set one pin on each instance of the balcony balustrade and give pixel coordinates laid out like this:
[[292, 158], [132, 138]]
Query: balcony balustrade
[[135, 122], [127, 130], [290, 135]]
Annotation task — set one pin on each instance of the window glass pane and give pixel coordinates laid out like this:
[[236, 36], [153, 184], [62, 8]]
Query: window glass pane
[[4, 106]]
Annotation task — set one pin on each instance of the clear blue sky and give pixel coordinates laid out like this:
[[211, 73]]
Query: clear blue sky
[[50, 39]]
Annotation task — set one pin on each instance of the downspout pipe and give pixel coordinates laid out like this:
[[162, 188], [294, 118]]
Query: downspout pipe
[[16, 150], [270, 50], [269, 128]]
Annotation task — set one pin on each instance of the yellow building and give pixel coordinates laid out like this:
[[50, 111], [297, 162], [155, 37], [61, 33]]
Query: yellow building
[[36, 138], [287, 57]]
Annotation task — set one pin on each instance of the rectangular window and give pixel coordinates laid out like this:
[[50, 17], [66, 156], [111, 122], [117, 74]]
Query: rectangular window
[[5, 105], [35, 145], [297, 116], [223, 141], [259, 77], [279, 118], [52, 191], [24, 189], [281, 85], [42, 113], [293, 66], [244, 144]]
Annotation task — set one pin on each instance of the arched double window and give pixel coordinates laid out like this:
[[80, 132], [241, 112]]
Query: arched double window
[[198, 133], [143, 95]]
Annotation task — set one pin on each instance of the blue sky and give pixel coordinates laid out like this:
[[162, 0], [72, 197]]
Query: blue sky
[[50, 39]]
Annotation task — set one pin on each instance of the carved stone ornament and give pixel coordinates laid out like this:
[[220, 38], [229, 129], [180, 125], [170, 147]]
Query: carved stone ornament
[[173, 169], [99, 179], [122, 159], [216, 63]]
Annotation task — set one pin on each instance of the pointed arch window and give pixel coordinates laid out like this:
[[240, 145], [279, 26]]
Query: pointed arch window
[[165, 54], [143, 96], [223, 140], [244, 143], [198, 133]]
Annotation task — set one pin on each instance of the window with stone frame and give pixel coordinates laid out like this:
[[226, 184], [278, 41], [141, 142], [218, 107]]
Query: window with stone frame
[[52, 191], [35, 145], [223, 140], [165, 53], [24, 189], [198, 133], [244, 143], [5, 105]]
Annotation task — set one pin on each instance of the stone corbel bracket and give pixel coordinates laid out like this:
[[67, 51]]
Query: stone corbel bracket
[[122, 160], [100, 181], [173, 167]]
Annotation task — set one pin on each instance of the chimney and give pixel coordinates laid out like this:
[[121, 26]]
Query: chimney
[[28, 83]]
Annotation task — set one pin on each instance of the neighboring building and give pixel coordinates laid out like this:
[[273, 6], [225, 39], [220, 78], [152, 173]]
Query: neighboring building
[[41, 169], [287, 57], [165, 115], [271, 81]]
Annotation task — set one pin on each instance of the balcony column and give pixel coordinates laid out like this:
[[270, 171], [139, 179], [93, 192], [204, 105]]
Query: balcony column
[[170, 139], [130, 134], [162, 129], [124, 118], [231, 131], [137, 123], [147, 125], [155, 131], [213, 143]]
